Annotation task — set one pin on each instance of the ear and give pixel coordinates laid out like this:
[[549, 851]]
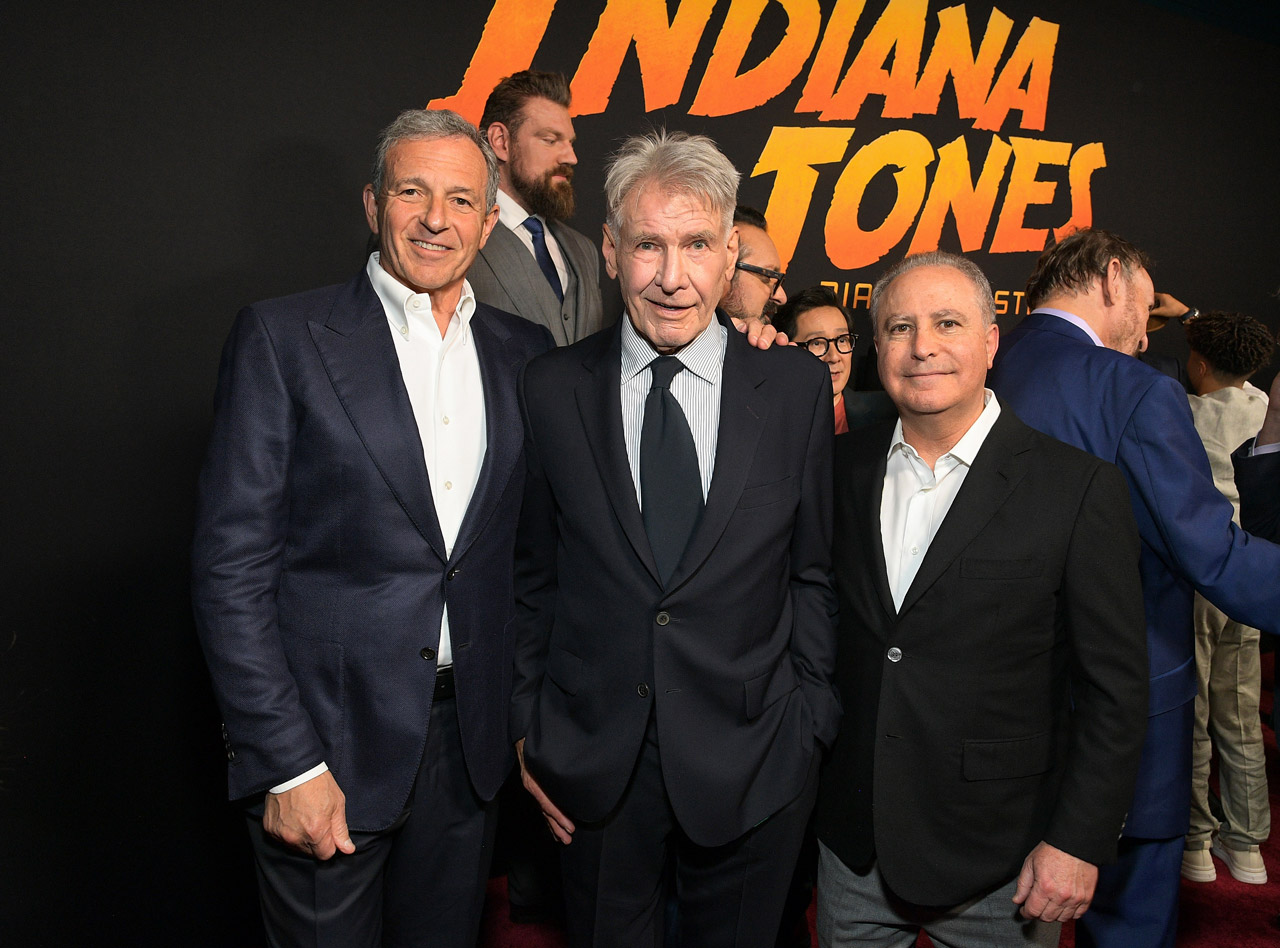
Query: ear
[[610, 251], [497, 134], [1113, 282], [733, 254], [371, 207], [993, 343], [487, 227]]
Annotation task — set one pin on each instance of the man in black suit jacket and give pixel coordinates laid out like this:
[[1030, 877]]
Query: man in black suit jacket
[[672, 676], [1258, 474], [992, 653], [352, 565], [534, 264]]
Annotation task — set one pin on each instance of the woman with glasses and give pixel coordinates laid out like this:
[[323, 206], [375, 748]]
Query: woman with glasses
[[815, 320]]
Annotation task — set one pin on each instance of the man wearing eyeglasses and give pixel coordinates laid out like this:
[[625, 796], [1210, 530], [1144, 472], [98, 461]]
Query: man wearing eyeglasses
[[756, 287]]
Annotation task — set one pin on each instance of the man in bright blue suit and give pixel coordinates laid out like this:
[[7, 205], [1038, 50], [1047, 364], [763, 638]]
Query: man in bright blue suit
[[1068, 370]]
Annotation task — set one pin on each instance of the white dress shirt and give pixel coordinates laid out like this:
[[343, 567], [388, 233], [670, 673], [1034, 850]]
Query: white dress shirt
[[442, 377], [696, 389], [916, 499], [513, 217]]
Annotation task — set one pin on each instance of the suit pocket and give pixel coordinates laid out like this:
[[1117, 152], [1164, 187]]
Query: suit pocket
[[565, 669], [1003, 760], [764, 690], [766, 494], [976, 567]]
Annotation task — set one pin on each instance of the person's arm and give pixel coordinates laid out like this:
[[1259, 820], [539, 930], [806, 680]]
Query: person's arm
[[1193, 522], [1168, 308], [1106, 627], [813, 599], [237, 556], [535, 595], [760, 334]]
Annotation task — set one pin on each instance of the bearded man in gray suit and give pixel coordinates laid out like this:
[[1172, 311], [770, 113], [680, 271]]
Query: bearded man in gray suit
[[535, 265]]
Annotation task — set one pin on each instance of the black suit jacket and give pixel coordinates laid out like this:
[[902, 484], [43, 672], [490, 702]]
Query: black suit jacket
[[735, 656], [1005, 703], [319, 574]]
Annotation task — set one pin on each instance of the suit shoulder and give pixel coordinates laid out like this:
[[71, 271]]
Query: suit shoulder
[[304, 305], [533, 337]]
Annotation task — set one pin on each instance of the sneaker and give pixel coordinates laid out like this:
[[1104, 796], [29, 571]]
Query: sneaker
[[1245, 864], [1197, 865]]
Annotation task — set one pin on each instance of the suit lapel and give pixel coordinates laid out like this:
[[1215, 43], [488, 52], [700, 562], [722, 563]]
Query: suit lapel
[[520, 277], [868, 485], [999, 466], [600, 407], [499, 366], [743, 411], [360, 358]]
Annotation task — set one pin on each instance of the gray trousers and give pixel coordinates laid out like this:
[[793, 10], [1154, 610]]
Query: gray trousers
[[859, 909], [1230, 682]]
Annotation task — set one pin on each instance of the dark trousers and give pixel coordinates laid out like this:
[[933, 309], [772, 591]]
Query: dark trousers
[[731, 896], [421, 882]]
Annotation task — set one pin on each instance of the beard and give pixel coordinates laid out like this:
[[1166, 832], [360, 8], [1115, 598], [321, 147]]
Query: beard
[[554, 201]]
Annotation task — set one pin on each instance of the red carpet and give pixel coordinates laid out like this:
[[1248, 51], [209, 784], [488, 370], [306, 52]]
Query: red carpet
[[1221, 914]]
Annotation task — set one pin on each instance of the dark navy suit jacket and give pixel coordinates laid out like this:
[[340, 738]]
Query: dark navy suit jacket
[[319, 570], [1111, 405], [1258, 481]]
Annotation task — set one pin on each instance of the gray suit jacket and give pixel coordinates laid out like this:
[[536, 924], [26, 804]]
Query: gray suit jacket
[[506, 276]]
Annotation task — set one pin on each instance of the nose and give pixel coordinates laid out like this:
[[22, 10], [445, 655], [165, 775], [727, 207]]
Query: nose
[[779, 295], [922, 343], [433, 214], [831, 355], [567, 155], [672, 275]]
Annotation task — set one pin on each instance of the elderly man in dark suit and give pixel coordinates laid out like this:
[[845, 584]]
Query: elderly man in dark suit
[[674, 627], [352, 566], [992, 660], [534, 264]]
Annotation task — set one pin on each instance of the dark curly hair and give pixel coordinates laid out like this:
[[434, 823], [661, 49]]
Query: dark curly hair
[[1234, 345]]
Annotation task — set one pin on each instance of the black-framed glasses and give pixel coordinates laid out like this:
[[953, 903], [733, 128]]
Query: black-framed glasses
[[819, 345], [772, 278]]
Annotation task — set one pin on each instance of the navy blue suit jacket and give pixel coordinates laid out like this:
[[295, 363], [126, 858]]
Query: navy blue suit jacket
[[1111, 405], [319, 571]]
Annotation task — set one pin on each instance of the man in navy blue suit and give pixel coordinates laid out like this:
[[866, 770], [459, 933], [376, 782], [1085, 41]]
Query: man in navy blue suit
[[352, 565], [1068, 370]]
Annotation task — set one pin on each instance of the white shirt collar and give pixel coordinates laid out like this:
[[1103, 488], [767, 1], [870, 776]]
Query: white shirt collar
[[703, 355], [966, 449], [1074, 320], [512, 214], [407, 309]]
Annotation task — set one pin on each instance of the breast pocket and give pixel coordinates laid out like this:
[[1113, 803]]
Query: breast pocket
[[1023, 567], [764, 494]]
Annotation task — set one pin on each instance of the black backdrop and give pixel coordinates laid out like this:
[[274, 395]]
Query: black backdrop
[[165, 163]]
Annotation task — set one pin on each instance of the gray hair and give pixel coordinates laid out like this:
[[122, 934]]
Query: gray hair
[[674, 162], [937, 258], [428, 124]]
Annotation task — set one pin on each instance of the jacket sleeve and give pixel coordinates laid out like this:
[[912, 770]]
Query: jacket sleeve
[[237, 556], [1102, 611], [1258, 481]]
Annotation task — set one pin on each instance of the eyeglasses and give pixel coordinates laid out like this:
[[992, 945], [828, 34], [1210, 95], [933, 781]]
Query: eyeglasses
[[772, 278], [819, 345]]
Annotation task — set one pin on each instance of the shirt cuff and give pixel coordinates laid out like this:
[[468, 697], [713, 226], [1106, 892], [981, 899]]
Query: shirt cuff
[[302, 778], [1258, 449]]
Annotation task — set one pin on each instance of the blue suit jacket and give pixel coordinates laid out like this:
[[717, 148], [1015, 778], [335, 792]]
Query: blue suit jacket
[[1111, 405], [319, 570]]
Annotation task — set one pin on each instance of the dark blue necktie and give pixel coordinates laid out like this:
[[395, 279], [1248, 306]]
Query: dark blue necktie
[[670, 483], [540, 253]]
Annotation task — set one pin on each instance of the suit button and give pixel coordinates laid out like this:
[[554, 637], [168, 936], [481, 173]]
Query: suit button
[[428, 653], [642, 690], [894, 654], [452, 573], [663, 618]]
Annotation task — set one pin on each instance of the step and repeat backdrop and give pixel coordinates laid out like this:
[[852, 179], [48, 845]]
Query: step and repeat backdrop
[[166, 163]]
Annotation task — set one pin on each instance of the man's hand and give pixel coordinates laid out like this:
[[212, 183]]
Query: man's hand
[[312, 817], [1055, 886], [560, 825], [1166, 308], [1270, 432], [760, 334]]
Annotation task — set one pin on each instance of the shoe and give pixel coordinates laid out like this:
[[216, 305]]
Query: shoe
[[1197, 865], [1246, 865]]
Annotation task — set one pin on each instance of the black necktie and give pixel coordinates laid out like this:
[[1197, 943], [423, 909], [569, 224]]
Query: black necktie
[[670, 484], [540, 253]]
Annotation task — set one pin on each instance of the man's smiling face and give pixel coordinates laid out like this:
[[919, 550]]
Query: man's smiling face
[[672, 258], [431, 220]]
